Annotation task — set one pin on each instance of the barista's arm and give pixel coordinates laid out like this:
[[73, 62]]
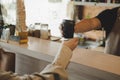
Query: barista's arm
[[87, 25]]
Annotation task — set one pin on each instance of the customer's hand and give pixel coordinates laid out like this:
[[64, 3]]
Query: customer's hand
[[72, 43]]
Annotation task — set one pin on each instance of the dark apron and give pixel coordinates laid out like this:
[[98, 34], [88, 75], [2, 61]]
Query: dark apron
[[113, 40]]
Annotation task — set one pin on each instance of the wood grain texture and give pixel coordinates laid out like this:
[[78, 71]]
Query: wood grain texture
[[85, 64]]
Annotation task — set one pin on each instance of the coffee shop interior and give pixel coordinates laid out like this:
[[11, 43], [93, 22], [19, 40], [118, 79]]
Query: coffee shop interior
[[30, 38]]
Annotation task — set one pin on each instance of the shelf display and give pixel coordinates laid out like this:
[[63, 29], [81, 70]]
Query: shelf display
[[96, 3], [103, 1]]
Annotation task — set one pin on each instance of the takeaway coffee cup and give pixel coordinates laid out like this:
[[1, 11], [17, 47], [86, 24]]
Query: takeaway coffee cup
[[68, 28]]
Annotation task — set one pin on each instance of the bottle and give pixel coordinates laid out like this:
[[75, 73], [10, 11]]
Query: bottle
[[117, 1], [83, 0], [108, 1], [113, 1]]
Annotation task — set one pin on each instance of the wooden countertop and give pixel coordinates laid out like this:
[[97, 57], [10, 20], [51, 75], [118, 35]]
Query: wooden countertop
[[46, 50], [97, 60]]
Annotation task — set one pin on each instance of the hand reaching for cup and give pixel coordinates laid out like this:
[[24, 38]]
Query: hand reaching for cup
[[72, 43]]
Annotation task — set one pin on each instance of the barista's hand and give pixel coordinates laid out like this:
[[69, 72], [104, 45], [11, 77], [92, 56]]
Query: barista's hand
[[61, 29], [72, 43]]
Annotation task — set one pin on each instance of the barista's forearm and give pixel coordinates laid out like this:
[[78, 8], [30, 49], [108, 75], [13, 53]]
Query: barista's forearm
[[87, 25]]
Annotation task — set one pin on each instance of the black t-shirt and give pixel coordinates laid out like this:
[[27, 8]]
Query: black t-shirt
[[108, 18]]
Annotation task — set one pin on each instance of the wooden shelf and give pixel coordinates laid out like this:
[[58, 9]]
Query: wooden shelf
[[77, 3]]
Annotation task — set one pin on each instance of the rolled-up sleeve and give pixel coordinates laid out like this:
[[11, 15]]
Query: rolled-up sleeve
[[60, 63], [54, 71]]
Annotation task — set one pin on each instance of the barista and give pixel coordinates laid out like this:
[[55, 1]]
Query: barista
[[109, 19]]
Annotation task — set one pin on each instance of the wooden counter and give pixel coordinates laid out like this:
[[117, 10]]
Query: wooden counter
[[85, 64]]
